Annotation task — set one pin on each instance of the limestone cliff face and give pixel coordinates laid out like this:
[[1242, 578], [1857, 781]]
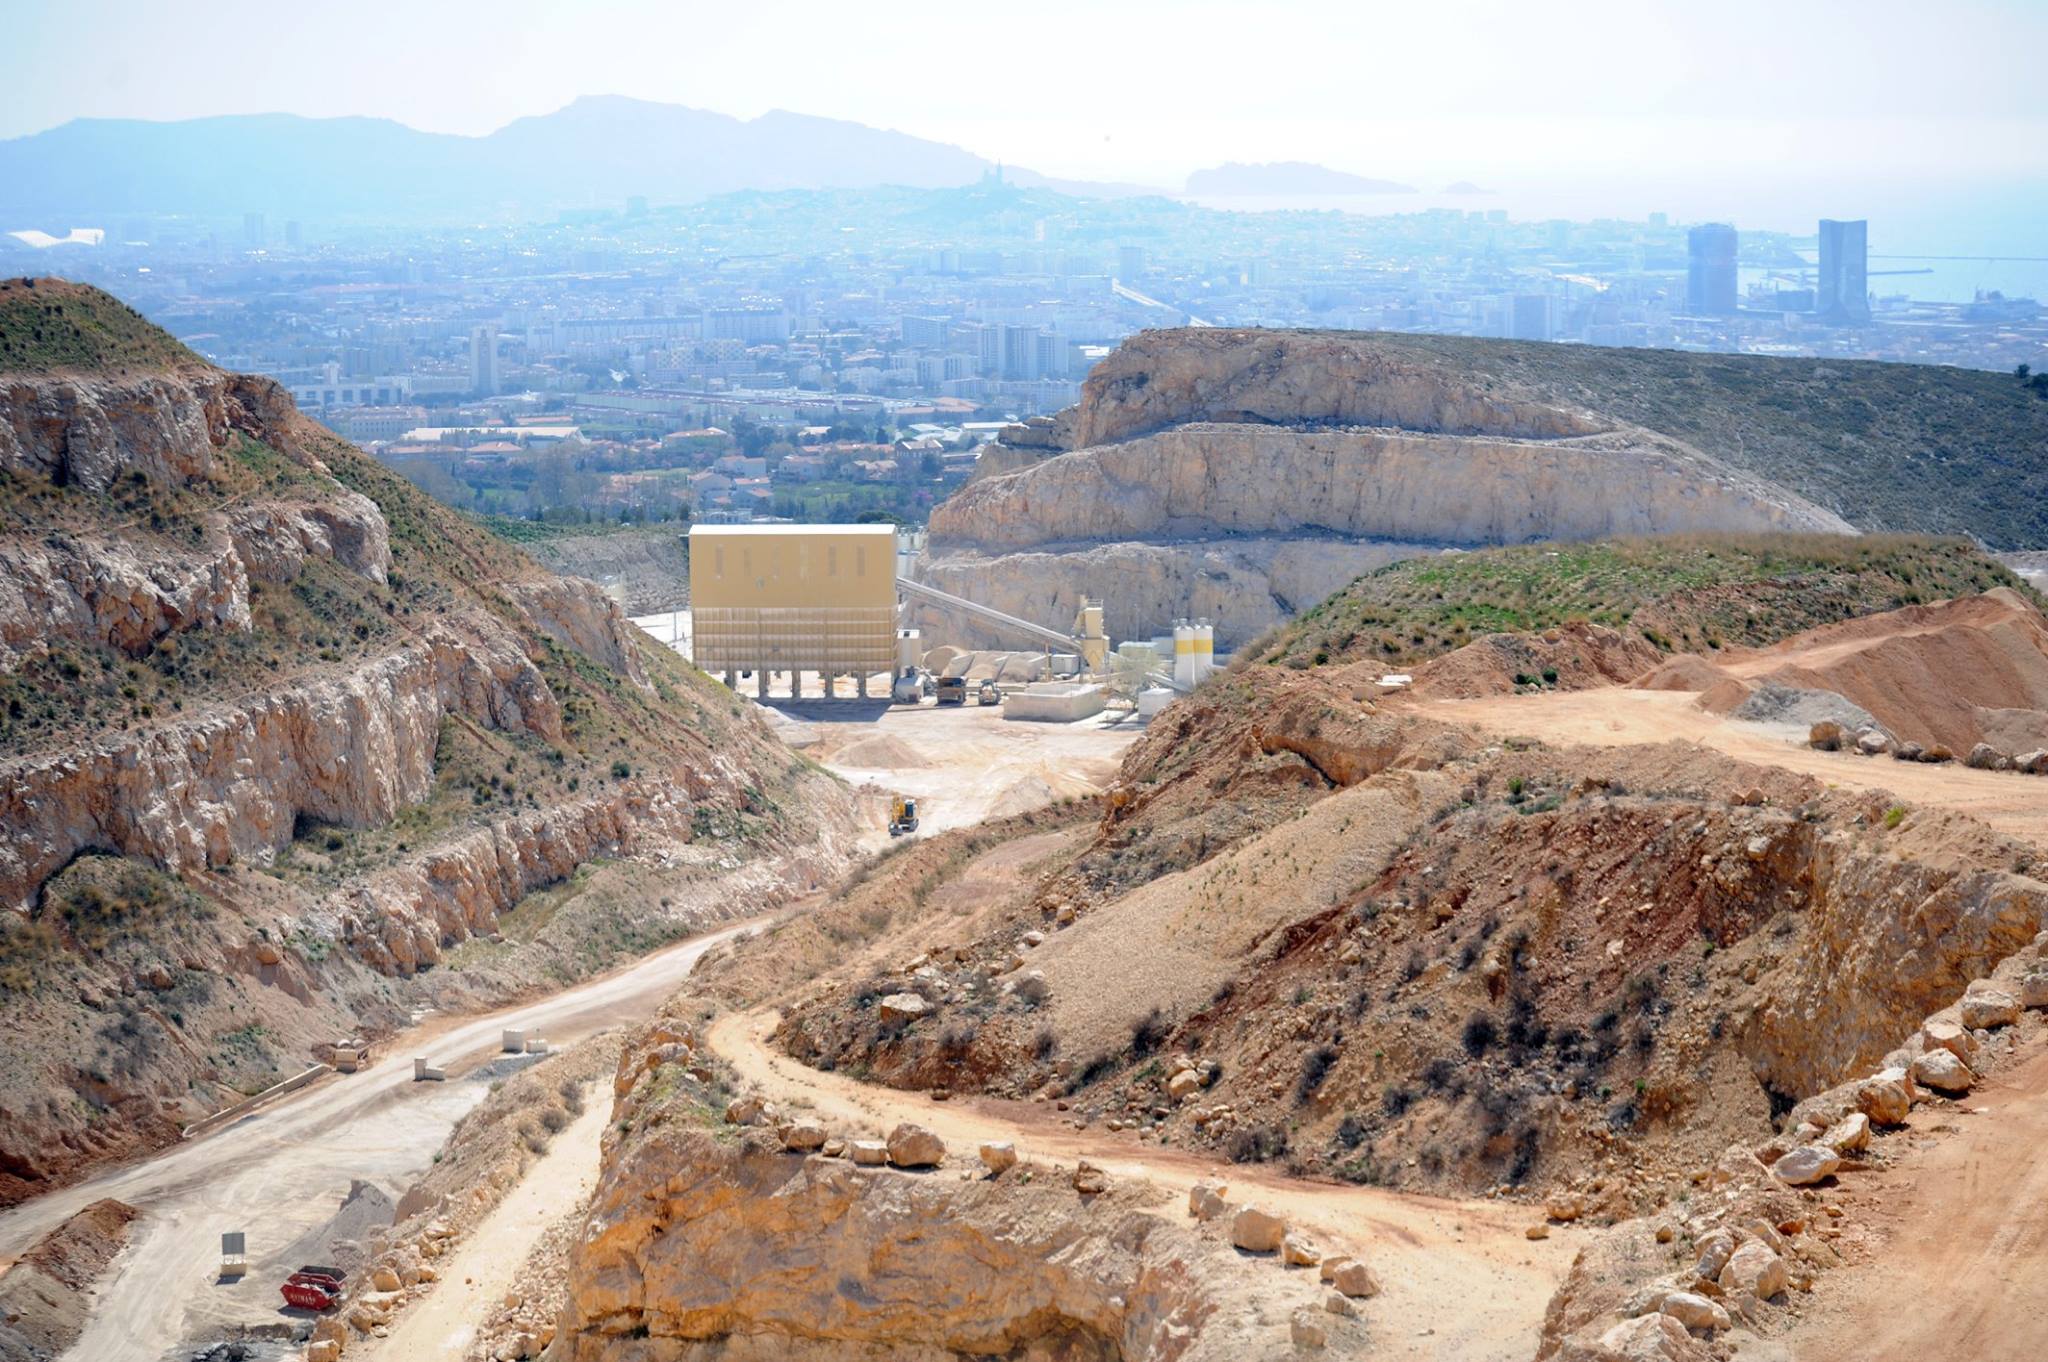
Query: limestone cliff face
[[1208, 479], [1244, 586], [351, 748], [1185, 438]]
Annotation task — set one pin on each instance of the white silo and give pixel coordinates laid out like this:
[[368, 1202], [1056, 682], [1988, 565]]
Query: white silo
[[1205, 650], [1183, 653]]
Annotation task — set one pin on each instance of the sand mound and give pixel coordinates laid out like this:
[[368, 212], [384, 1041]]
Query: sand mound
[[1927, 673], [881, 752]]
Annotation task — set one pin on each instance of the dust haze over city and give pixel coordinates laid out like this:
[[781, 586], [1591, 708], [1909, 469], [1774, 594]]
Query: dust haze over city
[[1158, 681]]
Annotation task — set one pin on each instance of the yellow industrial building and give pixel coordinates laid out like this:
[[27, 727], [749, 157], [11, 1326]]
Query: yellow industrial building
[[794, 598]]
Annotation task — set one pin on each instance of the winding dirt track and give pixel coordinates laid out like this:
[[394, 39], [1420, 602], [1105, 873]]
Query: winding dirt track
[[1615, 717], [1964, 1273], [1460, 1280]]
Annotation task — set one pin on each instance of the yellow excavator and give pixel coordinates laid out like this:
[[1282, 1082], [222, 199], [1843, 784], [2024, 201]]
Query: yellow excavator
[[902, 816]]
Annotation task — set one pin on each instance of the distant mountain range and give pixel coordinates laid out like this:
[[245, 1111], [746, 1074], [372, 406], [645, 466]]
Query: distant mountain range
[[592, 154], [1287, 177]]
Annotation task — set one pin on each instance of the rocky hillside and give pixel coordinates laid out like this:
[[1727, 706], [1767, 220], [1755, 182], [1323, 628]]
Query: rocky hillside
[[286, 749], [1315, 927], [1245, 475]]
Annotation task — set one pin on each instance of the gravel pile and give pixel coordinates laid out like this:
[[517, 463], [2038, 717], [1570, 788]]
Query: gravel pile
[[1774, 702]]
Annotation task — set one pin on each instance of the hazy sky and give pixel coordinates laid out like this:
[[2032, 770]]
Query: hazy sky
[[1137, 89]]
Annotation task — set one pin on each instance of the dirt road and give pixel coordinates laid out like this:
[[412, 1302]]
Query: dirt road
[[1964, 1270], [283, 1170], [1463, 1267], [474, 1279], [2016, 805]]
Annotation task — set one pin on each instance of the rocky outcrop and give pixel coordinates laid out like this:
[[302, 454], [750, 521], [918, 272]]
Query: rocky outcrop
[[351, 748], [126, 594], [708, 1249], [1158, 379], [130, 592], [401, 920], [276, 538], [167, 425], [579, 616], [1240, 475]]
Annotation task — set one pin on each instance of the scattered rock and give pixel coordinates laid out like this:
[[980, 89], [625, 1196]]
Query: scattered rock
[[1872, 743], [383, 1279], [1715, 1249], [1539, 1230], [1090, 1180], [1308, 1331], [802, 1136], [1826, 736], [1647, 1338], [1985, 757], [1183, 1085], [912, 1146], [1257, 1230], [999, 1156], [746, 1111], [2034, 989], [1337, 1303], [1564, 1207], [903, 1007], [1296, 1251], [869, 1153], [1205, 1200]]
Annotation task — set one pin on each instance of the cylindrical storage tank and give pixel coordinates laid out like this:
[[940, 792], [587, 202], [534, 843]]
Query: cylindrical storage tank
[[1183, 653], [1205, 649]]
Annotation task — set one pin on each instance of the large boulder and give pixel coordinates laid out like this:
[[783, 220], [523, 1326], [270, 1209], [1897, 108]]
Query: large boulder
[[1257, 1230], [1943, 1072], [2034, 989], [1987, 1006], [1206, 1200], [1806, 1165], [1947, 1035], [1826, 735], [1885, 1098], [912, 1146], [1753, 1269], [1647, 1338], [801, 1137], [999, 1156], [868, 1153], [1848, 1135], [1694, 1311], [1985, 757], [1355, 1279]]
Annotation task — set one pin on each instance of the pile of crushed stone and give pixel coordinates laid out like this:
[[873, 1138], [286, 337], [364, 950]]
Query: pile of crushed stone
[[1774, 702]]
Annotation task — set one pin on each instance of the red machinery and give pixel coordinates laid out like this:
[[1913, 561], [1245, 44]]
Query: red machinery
[[314, 1288]]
